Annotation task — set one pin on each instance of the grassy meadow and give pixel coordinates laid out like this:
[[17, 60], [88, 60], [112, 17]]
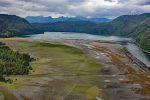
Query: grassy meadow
[[68, 70]]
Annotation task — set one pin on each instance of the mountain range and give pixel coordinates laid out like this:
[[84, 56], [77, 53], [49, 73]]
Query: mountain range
[[49, 19], [135, 26]]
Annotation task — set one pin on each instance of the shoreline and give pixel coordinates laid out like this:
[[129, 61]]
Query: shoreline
[[142, 48], [136, 60]]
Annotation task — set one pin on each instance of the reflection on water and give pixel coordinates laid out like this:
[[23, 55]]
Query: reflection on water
[[68, 35]]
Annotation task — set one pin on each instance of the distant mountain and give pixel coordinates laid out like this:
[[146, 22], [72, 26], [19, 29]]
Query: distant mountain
[[100, 20], [74, 26], [67, 26], [41, 19], [38, 19], [11, 25]]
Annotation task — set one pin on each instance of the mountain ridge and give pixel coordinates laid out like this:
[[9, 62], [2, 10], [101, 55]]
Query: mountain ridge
[[124, 25], [49, 19], [11, 25]]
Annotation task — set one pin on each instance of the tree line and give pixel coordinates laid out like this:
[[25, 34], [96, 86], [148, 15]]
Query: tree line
[[13, 62]]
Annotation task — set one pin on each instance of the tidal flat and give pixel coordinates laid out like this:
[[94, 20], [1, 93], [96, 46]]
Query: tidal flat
[[76, 70]]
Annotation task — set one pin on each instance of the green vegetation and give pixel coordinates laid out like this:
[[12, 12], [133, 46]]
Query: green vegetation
[[11, 25], [126, 24], [75, 26], [69, 59], [142, 35], [71, 62], [68, 48], [13, 63], [66, 69]]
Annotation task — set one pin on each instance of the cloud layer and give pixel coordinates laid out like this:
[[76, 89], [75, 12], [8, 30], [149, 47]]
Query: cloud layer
[[85, 8]]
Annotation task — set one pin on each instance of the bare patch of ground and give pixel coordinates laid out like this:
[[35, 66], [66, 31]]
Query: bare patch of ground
[[123, 78]]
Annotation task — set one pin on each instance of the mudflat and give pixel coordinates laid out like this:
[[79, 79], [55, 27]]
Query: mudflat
[[76, 70]]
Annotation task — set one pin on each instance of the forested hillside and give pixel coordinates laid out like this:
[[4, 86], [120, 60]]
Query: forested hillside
[[11, 25], [142, 35], [126, 24], [75, 26]]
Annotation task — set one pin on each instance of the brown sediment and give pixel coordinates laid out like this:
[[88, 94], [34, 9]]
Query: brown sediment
[[141, 78], [115, 60], [137, 73], [8, 95], [136, 61], [143, 82]]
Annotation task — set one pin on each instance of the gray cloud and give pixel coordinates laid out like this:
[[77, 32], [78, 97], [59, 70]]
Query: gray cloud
[[4, 4], [85, 8], [136, 2], [144, 2]]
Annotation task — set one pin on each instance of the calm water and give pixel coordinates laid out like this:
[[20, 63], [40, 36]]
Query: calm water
[[68, 35]]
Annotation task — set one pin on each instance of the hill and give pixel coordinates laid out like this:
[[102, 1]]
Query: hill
[[11, 25], [141, 34], [135, 26], [124, 25]]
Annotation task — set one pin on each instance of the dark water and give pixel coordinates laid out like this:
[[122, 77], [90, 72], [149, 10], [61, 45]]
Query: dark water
[[135, 50]]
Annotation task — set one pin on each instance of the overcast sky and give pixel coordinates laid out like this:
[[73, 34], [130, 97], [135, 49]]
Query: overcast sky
[[85, 8]]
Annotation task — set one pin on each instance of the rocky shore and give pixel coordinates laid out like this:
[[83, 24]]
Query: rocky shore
[[136, 61]]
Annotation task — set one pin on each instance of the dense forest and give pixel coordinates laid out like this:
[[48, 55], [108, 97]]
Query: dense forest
[[13, 63], [141, 34], [75, 26], [12, 25]]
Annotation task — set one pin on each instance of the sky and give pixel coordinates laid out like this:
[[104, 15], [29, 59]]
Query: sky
[[84, 8]]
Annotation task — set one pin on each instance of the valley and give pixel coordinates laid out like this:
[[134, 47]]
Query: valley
[[74, 49]]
